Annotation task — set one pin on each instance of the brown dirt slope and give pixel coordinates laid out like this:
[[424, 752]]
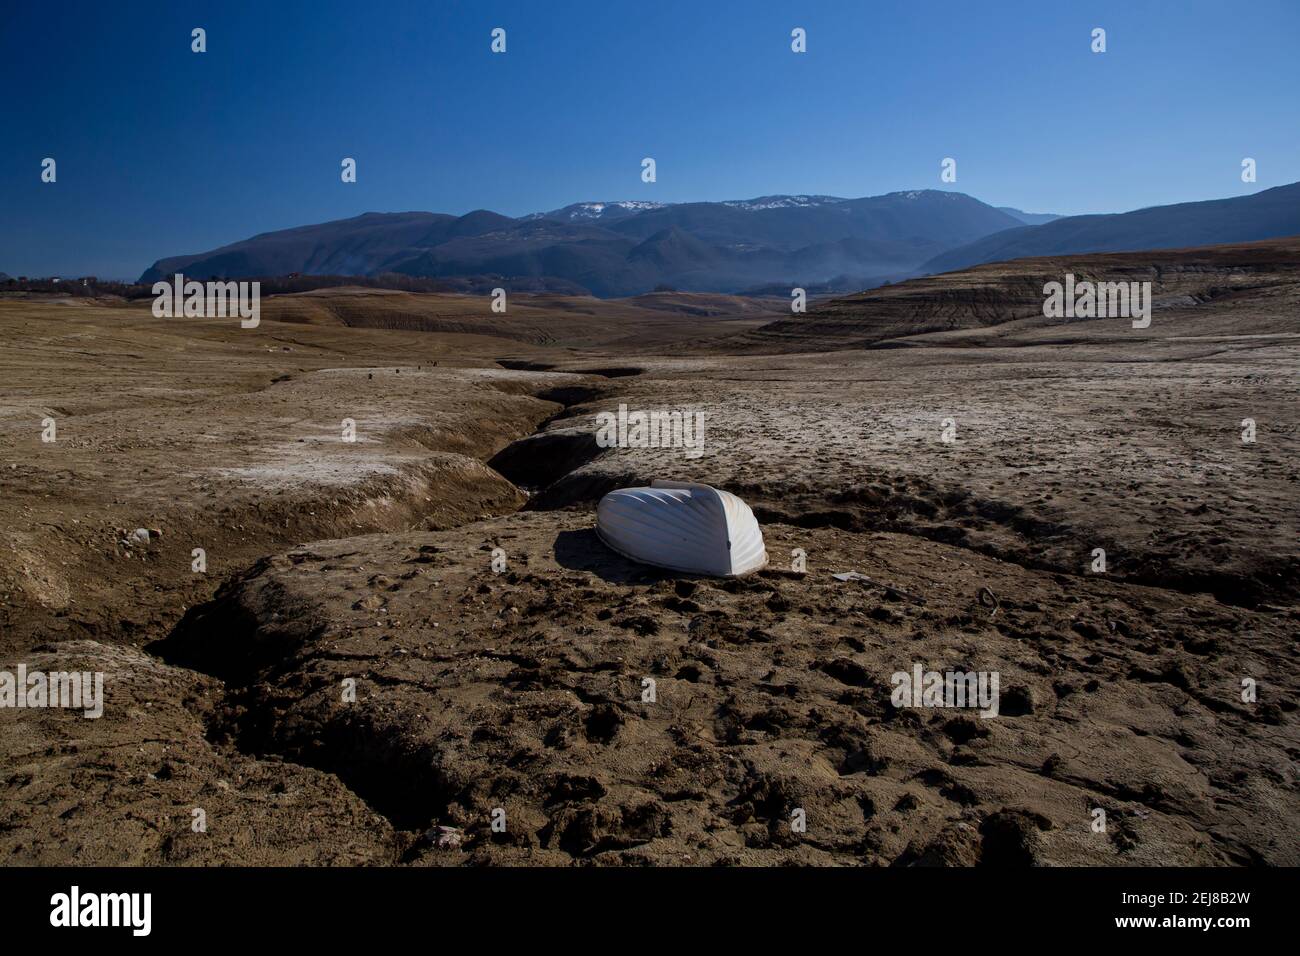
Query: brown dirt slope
[[542, 320], [525, 691], [1002, 292]]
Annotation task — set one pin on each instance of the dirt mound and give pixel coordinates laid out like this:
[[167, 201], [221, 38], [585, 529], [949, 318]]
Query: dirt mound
[[525, 692], [96, 792], [230, 442]]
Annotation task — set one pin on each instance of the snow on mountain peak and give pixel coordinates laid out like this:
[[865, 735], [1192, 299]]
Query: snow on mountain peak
[[925, 193], [594, 210], [782, 202]]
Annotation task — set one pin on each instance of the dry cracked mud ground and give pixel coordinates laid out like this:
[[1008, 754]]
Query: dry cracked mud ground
[[351, 682]]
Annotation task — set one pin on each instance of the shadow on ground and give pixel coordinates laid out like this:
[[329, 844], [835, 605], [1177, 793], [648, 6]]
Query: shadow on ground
[[584, 551]]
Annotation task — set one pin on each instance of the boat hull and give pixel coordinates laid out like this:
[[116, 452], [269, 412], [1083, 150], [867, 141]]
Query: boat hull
[[682, 526]]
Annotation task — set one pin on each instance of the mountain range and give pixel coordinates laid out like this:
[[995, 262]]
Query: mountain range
[[823, 243], [1270, 214], [627, 248]]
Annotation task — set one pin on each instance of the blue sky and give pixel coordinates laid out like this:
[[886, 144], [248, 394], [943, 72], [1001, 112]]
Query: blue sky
[[162, 151]]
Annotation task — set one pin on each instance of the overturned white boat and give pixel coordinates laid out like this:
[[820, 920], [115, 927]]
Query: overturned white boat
[[682, 526]]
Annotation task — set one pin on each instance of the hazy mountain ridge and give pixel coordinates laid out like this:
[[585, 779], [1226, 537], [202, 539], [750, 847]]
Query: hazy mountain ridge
[[1270, 214], [826, 243], [628, 247], [1029, 218]]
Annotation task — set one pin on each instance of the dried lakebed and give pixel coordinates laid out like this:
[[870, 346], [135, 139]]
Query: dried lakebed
[[522, 692]]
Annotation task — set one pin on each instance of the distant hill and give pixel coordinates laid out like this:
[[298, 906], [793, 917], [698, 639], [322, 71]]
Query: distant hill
[[1263, 215], [343, 247], [1213, 290], [628, 248], [1028, 218]]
